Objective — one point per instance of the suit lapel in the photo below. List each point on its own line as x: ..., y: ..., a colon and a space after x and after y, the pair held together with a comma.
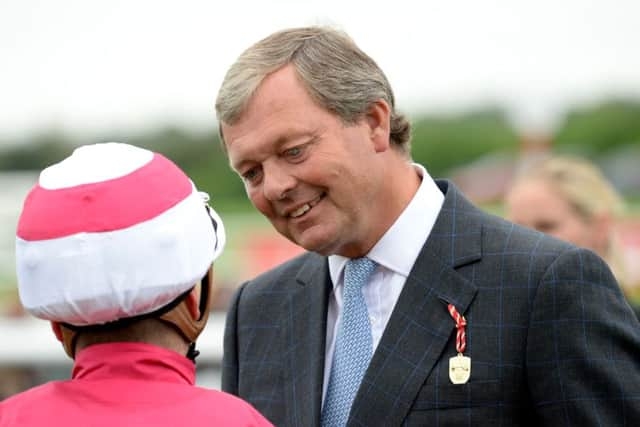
x: 305, y: 338
x: 420, y: 326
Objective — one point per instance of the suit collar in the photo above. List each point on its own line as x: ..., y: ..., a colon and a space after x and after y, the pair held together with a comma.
x: 456, y: 238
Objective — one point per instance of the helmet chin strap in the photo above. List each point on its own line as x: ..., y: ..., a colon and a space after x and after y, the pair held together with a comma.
x: 180, y: 317
x: 177, y: 315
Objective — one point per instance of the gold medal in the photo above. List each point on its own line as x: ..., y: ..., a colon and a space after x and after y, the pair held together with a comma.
x: 459, y: 369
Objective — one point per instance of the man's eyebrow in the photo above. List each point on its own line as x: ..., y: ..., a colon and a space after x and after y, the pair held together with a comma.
x: 302, y: 136
x: 239, y: 165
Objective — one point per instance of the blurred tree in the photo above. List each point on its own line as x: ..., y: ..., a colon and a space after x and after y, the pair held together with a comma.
x: 38, y: 152
x: 594, y: 130
x: 443, y: 143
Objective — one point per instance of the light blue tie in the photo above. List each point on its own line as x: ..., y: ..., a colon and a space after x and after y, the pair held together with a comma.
x: 353, y: 345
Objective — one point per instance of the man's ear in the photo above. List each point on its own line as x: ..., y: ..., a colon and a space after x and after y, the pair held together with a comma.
x: 379, y: 120
x: 193, y: 302
x: 55, y: 327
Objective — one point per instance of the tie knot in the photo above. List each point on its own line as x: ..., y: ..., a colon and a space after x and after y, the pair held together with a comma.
x: 357, y: 272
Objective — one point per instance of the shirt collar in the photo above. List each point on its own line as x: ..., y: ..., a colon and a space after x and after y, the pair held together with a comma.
x: 133, y: 360
x: 400, y: 246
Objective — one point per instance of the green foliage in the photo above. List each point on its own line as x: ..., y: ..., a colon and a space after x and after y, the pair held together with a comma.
x: 603, y: 127
x: 442, y: 143
x: 39, y: 152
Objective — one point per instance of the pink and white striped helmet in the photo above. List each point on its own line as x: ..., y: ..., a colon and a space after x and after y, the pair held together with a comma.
x: 113, y: 231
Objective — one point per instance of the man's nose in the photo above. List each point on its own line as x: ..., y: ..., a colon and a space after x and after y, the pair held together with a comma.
x: 277, y: 182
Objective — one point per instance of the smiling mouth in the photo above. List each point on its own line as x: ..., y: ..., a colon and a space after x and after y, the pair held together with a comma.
x: 306, y: 207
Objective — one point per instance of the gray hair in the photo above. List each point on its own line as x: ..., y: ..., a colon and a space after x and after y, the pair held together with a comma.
x: 337, y: 75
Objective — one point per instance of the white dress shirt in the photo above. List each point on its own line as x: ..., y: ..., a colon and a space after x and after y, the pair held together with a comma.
x: 395, y: 253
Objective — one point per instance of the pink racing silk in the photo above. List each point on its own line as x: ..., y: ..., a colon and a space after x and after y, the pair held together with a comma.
x: 99, y: 207
x: 127, y: 384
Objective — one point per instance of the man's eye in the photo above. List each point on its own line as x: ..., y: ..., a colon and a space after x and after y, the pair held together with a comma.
x: 293, y: 152
x: 250, y: 175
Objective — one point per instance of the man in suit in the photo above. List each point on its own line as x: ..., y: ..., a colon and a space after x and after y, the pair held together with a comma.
x: 411, y: 306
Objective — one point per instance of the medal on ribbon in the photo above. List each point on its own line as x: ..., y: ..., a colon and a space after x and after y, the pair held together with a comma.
x: 460, y: 365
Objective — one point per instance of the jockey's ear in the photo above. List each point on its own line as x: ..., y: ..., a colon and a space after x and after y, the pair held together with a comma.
x: 193, y: 302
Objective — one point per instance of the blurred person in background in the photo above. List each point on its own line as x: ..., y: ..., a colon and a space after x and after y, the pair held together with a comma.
x: 411, y: 306
x: 569, y: 198
x: 115, y: 248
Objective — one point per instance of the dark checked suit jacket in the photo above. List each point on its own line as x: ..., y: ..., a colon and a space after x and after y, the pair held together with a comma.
x: 551, y: 339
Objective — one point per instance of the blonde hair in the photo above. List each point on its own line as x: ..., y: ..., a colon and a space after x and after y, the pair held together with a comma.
x: 587, y: 191
x: 337, y: 75
x: 580, y: 182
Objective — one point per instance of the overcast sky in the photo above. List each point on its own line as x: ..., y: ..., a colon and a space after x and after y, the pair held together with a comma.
x: 86, y: 65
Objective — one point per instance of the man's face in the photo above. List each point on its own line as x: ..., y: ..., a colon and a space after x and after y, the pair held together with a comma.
x: 318, y: 181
